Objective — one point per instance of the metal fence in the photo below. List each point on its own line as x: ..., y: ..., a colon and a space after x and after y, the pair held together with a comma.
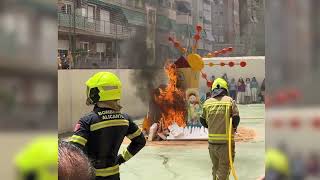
x: 93, y: 25
x: 93, y: 62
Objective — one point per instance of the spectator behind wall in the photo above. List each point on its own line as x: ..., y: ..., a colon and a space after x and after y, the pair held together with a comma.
x: 297, y: 167
x: 247, y: 95
x: 262, y: 90
x: 313, y: 165
x: 254, y: 90
x: 241, y: 90
x: 213, y: 78
x: 233, y: 89
x: 225, y: 77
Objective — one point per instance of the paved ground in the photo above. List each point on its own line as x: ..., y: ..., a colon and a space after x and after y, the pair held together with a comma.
x: 181, y: 161
x: 168, y: 160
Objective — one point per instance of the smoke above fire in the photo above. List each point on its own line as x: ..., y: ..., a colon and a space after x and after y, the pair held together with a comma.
x: 133, y: 55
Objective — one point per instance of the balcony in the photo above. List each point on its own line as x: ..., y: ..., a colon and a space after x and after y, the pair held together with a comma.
x: 129, y: 4
x: 184, y: 19
x: 94, y: 62
x: 183, y: 7
x: 207, y: 15
x: 207, y: 7
x: 164, y: 23
x: 170, y: 13
x: 91, y: 26
x: 188, y: 1
x: 207, y: 27
x: 208, y: 2
x: 208, y: 46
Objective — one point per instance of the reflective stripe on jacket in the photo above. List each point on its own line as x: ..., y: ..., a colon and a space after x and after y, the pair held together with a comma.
x: 101, y: 133
x: 217, y: 113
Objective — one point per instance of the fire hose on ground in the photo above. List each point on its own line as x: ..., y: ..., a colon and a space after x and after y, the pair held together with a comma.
x: 230, y: 152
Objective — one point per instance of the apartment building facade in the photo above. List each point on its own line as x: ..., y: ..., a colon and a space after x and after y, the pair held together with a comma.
x: 28, y: 80
x: 220, y: 21
x: 98, y: 31
x: 252, y: 26
x: 109, y: 33
x: 90, y: 30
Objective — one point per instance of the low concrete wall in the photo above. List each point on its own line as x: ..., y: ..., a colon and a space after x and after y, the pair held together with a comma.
x: 255, y: 68
x: 72, y: 96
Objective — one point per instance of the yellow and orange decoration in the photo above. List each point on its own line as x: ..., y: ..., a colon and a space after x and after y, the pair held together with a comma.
x: 195, y: 60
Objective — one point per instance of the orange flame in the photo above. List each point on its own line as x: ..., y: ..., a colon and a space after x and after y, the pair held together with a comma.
x: 171, y: 101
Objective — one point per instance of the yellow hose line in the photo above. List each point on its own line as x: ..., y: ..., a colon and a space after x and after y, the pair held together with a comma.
x: 230, y: 152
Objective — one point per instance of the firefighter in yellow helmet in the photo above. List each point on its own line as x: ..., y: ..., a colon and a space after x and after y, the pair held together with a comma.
x: 38, y: 160
x: 101, y: 132
x: 277, y: 164
x: 216, y: 115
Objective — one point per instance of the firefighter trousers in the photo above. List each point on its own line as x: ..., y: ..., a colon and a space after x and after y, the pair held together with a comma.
x: 113, y: 177
x: 219, y: 154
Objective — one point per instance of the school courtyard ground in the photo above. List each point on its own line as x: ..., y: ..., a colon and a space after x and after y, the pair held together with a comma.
x: 168, y: 160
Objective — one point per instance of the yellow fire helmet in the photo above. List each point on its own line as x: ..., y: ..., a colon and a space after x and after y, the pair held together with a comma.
x: 277, y: 160
x: 103, y: 86
x: 39, y: 159
x: 220, y: 83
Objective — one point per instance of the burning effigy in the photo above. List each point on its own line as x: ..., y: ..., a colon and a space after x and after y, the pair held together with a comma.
x: 175, y: 108
x: 171, y: 101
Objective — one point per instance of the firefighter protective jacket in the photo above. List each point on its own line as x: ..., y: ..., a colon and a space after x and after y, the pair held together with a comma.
x: 100, y: 134
x: 216, y: 115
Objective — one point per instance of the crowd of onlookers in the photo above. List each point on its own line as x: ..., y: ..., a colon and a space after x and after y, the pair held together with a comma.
x: 246, y: 91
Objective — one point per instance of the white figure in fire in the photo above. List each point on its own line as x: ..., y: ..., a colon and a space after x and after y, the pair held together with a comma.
x: 194, y: 110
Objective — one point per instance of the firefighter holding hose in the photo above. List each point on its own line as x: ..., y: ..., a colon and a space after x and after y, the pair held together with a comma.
x: 101, y: 132
x: 221, y: 117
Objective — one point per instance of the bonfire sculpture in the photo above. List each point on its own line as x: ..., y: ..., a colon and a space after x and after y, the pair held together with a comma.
x: 171, y: 101
x: 175, y: 108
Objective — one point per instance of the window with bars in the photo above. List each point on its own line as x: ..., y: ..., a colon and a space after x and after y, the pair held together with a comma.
x: 135, y: 3
x: 84, y: 46
x: 66, y: 9
x: 165, y: 3
x: 139, y: 3
x: 91, y: 13
x: 221, y: 38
